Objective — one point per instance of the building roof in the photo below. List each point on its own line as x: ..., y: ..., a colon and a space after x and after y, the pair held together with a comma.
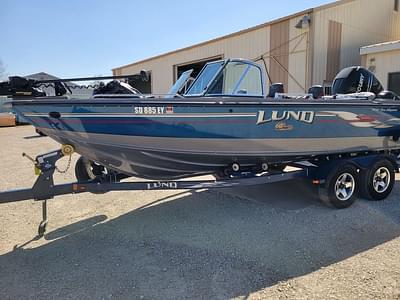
x: 381, y: 47
x: 75, y: 88
x: 41, y: 76
x: 46, y: 76
x: 307, y: 11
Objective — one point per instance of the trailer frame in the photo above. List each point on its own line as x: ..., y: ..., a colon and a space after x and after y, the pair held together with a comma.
x: 44, y: 188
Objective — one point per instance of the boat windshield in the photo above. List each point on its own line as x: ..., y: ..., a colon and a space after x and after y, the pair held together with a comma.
x: 180, y: 83
x: 229, y: 78
x: 204, y: 79
x: 238, y: 78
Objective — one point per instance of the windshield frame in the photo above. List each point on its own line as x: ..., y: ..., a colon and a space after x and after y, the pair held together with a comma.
x: 224, y: 63
x: 206, y: 88
x: 180, y: 83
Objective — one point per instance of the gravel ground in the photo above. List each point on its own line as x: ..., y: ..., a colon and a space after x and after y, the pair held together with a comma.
x: 275, y: 241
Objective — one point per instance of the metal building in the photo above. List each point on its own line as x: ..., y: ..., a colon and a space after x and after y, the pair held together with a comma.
x: 384, y: 60
x: 299, y: 50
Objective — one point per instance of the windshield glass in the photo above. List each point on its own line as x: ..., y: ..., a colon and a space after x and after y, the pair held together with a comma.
x: 180, y: 83
x: 238, y: 78
x: 204, y: 78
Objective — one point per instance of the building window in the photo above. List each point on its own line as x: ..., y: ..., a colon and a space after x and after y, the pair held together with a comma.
x: 396, y: 5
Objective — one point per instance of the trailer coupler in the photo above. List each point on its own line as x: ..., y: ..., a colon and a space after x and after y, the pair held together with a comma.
x: 43, y: 188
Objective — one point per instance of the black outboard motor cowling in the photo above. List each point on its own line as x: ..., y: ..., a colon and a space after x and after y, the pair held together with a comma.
x: 356, y: 80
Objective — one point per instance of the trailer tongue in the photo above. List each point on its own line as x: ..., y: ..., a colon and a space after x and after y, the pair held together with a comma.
x: 45, y: 189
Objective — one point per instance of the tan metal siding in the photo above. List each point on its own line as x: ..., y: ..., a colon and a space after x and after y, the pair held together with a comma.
x: 247, y: 45
x: 364, y: 22
x: 334, y: 47
x: 384, y: 63
x: 279, y: 61
x: 364, y: 60
x: 298, y: 57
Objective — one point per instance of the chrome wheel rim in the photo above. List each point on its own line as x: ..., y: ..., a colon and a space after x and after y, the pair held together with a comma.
x: 381, y: 180
x: 345, y: 186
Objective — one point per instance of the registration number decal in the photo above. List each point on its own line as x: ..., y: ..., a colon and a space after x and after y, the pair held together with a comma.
x: 153, y: 110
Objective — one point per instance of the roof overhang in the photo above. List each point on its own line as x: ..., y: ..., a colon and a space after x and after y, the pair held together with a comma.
x: 382, y: 47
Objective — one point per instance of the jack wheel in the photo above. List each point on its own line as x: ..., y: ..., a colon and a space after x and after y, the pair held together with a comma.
x: 86, y: 170
x: 42, y: 228
x: 378, y: 180
x: 340, y: 189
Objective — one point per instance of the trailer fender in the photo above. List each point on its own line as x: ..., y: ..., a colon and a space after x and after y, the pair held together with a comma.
x: 367, y: 161
x: 324, y: 169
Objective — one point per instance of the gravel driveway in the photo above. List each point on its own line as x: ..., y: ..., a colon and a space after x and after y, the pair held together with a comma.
x: 274, y: 241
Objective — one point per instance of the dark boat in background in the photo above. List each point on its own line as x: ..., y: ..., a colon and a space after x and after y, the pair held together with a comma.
x: 223, y: 123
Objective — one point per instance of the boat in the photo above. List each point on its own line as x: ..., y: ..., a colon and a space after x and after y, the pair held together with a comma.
x: 225, y: 122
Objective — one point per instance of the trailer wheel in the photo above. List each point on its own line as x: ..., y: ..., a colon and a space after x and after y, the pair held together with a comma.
x: 378, y: 180
x: 341, y: 186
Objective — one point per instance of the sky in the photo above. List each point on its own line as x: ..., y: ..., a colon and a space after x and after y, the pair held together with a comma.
x: 86, y: 38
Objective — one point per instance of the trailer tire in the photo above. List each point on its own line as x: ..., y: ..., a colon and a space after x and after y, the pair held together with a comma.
x: 340, y: 189
x: 377, y: 181
x: 81, y: 172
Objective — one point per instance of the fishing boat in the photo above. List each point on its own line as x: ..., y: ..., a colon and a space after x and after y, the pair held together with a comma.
x: 224, y: 122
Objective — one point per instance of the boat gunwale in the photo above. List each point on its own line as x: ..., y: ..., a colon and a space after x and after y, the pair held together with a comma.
x: 217, y: 101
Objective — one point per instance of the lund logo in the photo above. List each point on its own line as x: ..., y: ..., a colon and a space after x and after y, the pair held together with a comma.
x: 301, y: 116
x: 162, y: 185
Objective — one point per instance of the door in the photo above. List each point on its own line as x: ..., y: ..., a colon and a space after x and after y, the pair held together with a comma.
x: 394, y: 82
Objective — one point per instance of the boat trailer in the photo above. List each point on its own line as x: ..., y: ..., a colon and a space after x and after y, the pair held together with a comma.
x: 44, y: 188
x: 320, y: 173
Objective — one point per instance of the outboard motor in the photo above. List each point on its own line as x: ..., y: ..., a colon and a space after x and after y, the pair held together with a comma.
x: 275, y: 88
x: 317, y: 91
x: 356, y: 80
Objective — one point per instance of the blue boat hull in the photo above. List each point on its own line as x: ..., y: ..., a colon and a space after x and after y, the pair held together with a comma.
x: 178, y: 138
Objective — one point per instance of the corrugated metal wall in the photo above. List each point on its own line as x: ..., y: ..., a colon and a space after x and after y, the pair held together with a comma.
x: 334, y: 49
x: 298, y: 57
x: 383, y: 63
x: 310, y: 56
x: 248, y: 45
x: 364, y: 22
x: 279, y: 53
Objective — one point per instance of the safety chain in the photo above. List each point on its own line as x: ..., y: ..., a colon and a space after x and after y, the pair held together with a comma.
x: 68, y: 166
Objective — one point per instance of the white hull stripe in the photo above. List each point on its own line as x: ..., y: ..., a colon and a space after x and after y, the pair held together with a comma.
x: 94, y: 115
x: 111, y: 115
